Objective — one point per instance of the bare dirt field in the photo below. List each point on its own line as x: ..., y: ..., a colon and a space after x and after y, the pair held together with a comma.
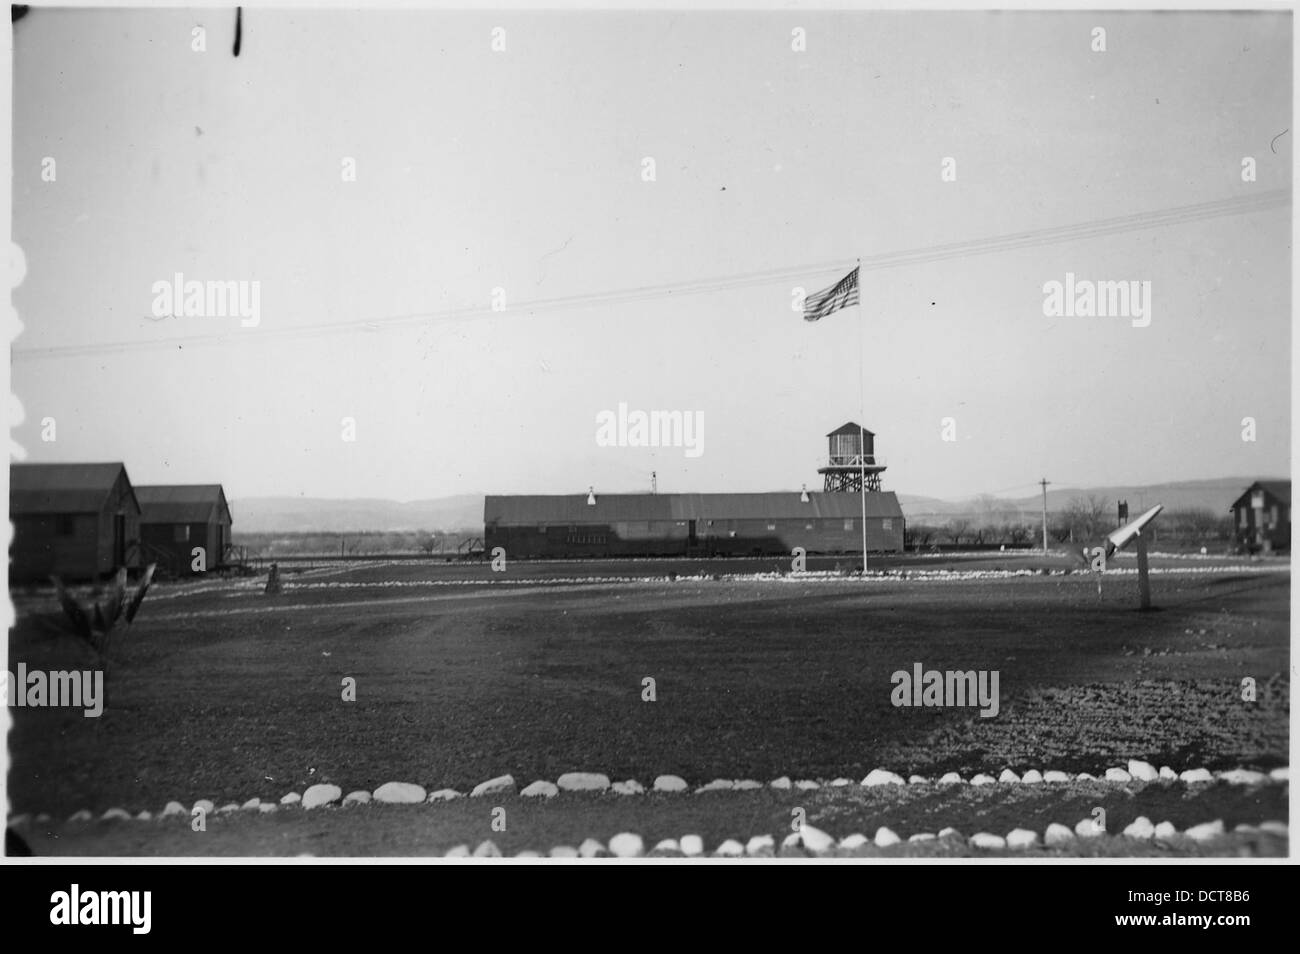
x: 224, y: 693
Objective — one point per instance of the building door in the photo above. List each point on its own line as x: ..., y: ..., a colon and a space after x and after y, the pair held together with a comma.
x: 119, y: 540
x: 690, y: 532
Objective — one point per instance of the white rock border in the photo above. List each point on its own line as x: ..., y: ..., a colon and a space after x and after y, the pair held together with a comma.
x: 326, y: 795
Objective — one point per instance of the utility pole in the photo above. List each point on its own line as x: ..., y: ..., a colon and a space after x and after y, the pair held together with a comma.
x: 1044, y: 482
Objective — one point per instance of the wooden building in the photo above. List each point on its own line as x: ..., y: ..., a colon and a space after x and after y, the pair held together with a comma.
x: 175, y: 519
x: 587, y: 525
x: 76, y: 521
x: 592, y: 525
x: 1262, y: 516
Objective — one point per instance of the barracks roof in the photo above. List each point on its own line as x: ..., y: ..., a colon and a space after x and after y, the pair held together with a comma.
x: 61, y: 488
x: 181, y: 503
x: 1279, y: 490
x: 573, y: 508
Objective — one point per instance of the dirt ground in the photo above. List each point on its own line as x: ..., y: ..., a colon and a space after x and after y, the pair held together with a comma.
x: 222, y: 692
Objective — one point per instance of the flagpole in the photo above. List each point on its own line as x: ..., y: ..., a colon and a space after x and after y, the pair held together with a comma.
x: 862, y: 436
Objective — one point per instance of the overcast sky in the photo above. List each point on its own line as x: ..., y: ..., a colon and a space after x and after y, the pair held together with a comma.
x: 522, y: 170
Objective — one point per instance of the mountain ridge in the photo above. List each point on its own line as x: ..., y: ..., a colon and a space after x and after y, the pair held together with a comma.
x: 288, y: 514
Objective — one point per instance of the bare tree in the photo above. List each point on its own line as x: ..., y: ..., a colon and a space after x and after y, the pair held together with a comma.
x: 958, y: 528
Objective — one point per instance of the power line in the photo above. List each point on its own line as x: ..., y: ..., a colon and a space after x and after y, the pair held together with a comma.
x: 1239, y: 205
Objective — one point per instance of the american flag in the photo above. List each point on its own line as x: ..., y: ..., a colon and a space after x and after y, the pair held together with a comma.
x: 840, y: 295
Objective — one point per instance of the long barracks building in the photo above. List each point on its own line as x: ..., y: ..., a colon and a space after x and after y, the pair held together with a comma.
x: 594, y: 525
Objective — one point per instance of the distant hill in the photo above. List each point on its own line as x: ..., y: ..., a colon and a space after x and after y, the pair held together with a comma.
x: 465, y: 512
x: 308, y: 514
x: 1215, y: 494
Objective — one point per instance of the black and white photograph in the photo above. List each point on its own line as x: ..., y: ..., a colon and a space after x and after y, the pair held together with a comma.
x: 753, y: 434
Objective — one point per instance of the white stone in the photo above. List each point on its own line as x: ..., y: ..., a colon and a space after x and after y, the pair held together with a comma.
x: 444, y: 795
x: 782, y: 782
x: 986, y: 840
x: 854, y: 842
x: 460, y: 851
x: 1196, y: 776
x: 1085, y: 777
x: 293, y: 798
x: 717, y: 785
x: 145, y: 815
x: 791, y: 840
x: 1274, y: 827
x: 173, y: 808
x: 1032, y: 777
x: 319, y: 795
x: 267, y: 807
x: 1240, y: 776
x: 1205, y: 831
x: 730, y: 849
x: 356, y: 798
x: 563, y: 851
x: 116, y: 814
x: 18, y: 821
x: 1057, y: 834
x: 583, y: 782
x: 400, y: 793
x: 882, y: 777
x: 760, y: 846
x: 1142, y: 771
x: 1022, y: 838
x: 44, y: 819
x: 1008, y: 776
x: 917, y: 780
x: 1118, y: 775
x: 501, y: 785
x: 629, y: 787
x: 1281, y: 774
x: 590, y: 848
x: 1244, y: 829
x: 228, y: 808
x: 983, y: 779
x: 81, y: 816
x: 1141, y: 828
x: 626, y: 845
x: 841, y: 782
x: 1055, y: 777
x: 806, y: 785
x: 1165, y: 831
x: 1088, y: 828
x: 949, y: 833
x: 670, y: 783
x: 251, y: 804
x: 885, y: 837
x: 815, y: 840
x: 950, y: 778
x: 487, y: 849
x: 668, y: 844
x: 746, y: 785
x: 203, y: 805
x: 540, y: 789
x: 691, y: 845
x: 1168, y: 774
x: 922, y: 836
